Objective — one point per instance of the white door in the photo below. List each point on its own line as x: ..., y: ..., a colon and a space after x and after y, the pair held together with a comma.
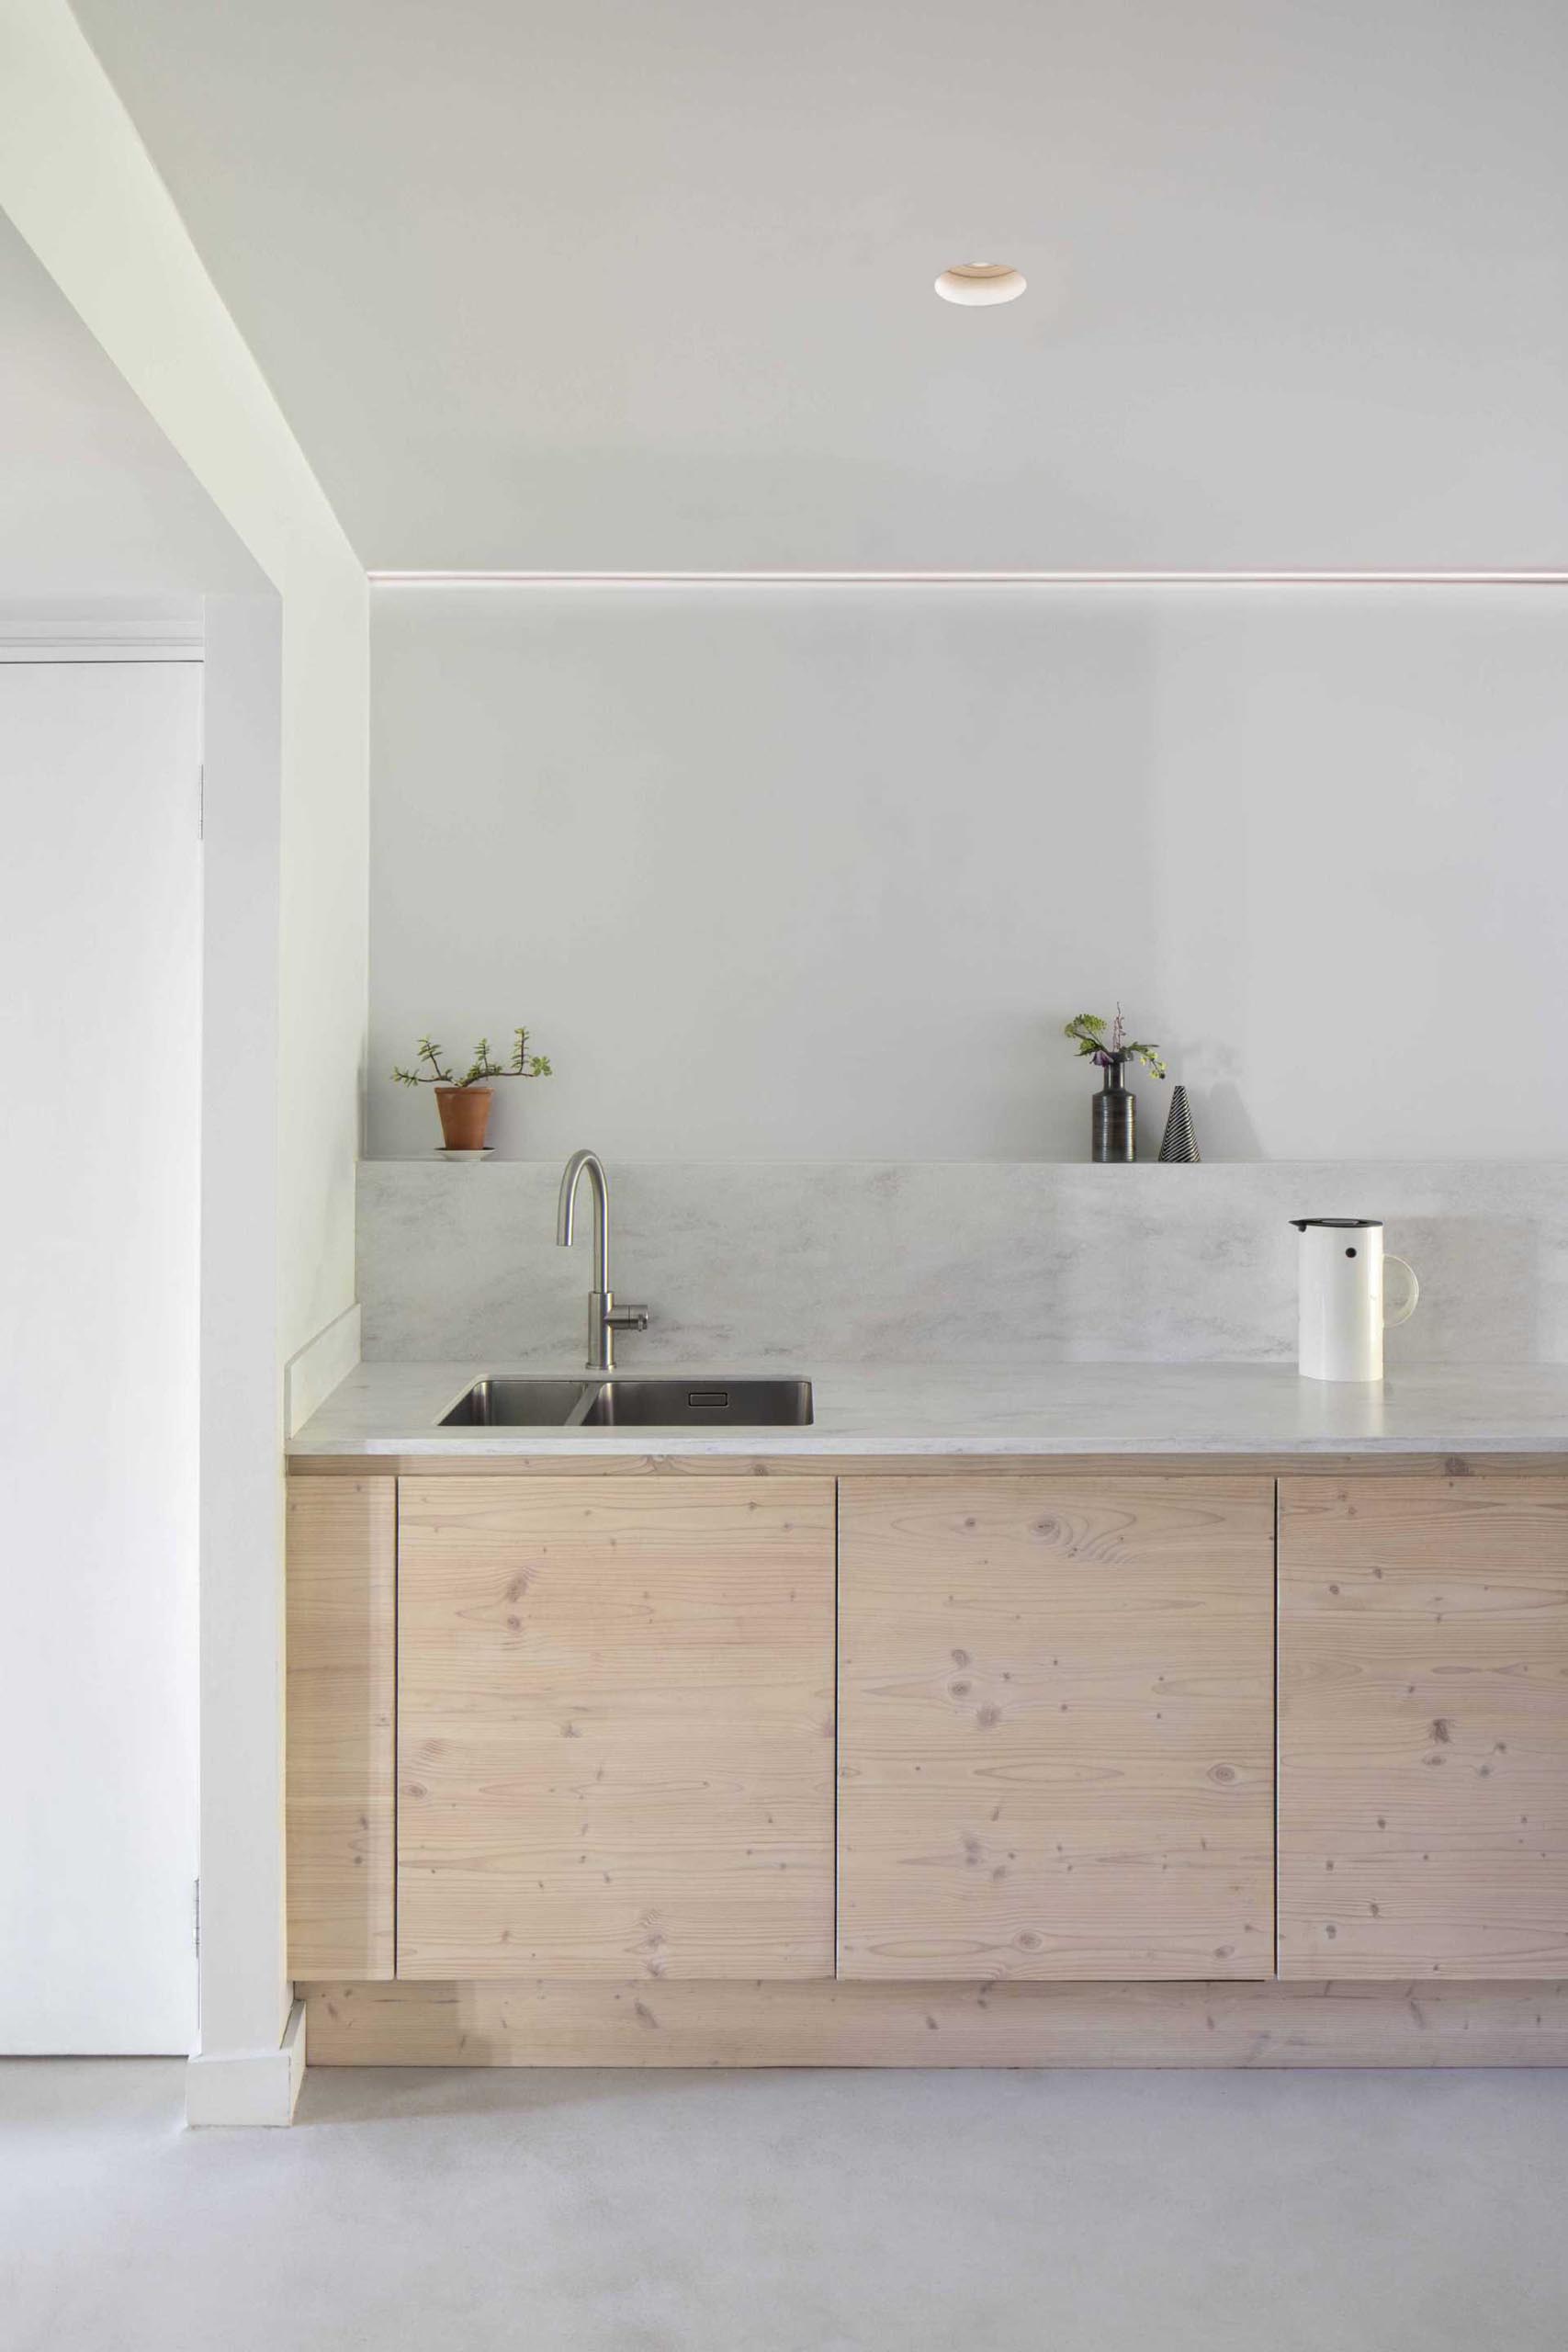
x: 100, y: 938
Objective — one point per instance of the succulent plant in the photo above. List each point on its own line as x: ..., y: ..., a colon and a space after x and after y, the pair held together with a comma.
x: 523, y: 1064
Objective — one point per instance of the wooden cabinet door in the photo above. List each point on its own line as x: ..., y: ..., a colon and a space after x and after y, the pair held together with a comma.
x: 614, y: 1726
x: 1424, y: 1728
x: 1056, y: 1727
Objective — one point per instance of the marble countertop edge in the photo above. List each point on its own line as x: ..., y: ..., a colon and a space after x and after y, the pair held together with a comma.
x: 932, y: 1410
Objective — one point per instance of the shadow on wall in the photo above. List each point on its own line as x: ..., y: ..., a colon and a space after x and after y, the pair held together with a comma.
x: 1210, y: 1069
x: 1224, y: 1125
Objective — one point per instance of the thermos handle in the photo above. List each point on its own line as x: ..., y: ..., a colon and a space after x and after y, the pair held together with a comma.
x: 1401, y: 1314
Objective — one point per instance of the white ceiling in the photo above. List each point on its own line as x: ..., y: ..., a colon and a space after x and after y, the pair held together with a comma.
x: 646, y: 284
x: 93, y: 502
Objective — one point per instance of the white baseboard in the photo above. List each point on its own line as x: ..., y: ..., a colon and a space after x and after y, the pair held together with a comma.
x: 248, y: 2086
x: 310, y: 1377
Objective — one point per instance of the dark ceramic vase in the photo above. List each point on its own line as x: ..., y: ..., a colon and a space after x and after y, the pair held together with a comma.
x: 1115, y: 1120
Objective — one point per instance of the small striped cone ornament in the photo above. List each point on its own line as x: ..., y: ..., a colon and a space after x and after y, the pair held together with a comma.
x: 1180, y: 1141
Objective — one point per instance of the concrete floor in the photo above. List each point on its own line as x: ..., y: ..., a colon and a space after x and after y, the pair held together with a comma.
x: 788, y: 2212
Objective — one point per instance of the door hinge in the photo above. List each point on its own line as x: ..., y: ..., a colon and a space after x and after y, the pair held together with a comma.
x: 195, y: 1915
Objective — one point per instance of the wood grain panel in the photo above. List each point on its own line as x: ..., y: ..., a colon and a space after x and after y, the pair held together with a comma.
x: 1225, y: 2025
x: 1424, y: 1728
x: 1056, y: 1728
x: 341, y: 1654
x: 616, y: 1729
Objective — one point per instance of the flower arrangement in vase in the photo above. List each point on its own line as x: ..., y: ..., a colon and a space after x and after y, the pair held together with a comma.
x: 1114, y: 1135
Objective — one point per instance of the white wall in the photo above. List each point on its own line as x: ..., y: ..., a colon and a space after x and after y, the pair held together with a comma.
x: 95, y: 503
x: 821, y: 873
x: 288, y: 803
x: 100, y: 973
x: 78, y: 186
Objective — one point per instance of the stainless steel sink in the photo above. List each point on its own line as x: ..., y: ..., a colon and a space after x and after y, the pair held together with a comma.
x: 632, y: 1403
x: 518, y: 1403
x: 620, y: 1403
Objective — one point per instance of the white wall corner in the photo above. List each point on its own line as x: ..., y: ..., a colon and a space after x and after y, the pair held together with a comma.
x: 248, y: 2086
x: 310, y: 1377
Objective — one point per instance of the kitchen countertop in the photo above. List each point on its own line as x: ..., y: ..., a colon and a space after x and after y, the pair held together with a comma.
x: 1075, y: 1408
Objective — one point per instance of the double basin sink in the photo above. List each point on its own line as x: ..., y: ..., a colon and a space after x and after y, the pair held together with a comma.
x: 614, y: 1401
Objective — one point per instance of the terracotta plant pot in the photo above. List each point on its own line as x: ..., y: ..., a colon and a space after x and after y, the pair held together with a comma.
x: 464, y: 1115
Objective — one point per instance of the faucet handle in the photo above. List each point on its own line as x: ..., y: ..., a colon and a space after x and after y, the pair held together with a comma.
x: 627, y: 1319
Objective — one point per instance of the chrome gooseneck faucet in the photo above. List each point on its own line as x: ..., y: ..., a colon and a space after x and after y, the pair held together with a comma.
x: 605, y: 1317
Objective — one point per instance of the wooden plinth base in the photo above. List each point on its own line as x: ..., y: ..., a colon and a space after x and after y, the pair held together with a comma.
x: 691, y: 2024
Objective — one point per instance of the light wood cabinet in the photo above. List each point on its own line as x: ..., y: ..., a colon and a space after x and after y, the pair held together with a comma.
x: 1424, y: 1728
x: 615, y: 1727
x: 557, y: 1736
x: 1056, y: 1727
x: 341, y: 1657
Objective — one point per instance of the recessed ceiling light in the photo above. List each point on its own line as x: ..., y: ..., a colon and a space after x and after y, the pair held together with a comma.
x: 981, y: 281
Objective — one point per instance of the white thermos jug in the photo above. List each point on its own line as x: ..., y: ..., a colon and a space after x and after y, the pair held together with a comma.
x: 1342, y: 1309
